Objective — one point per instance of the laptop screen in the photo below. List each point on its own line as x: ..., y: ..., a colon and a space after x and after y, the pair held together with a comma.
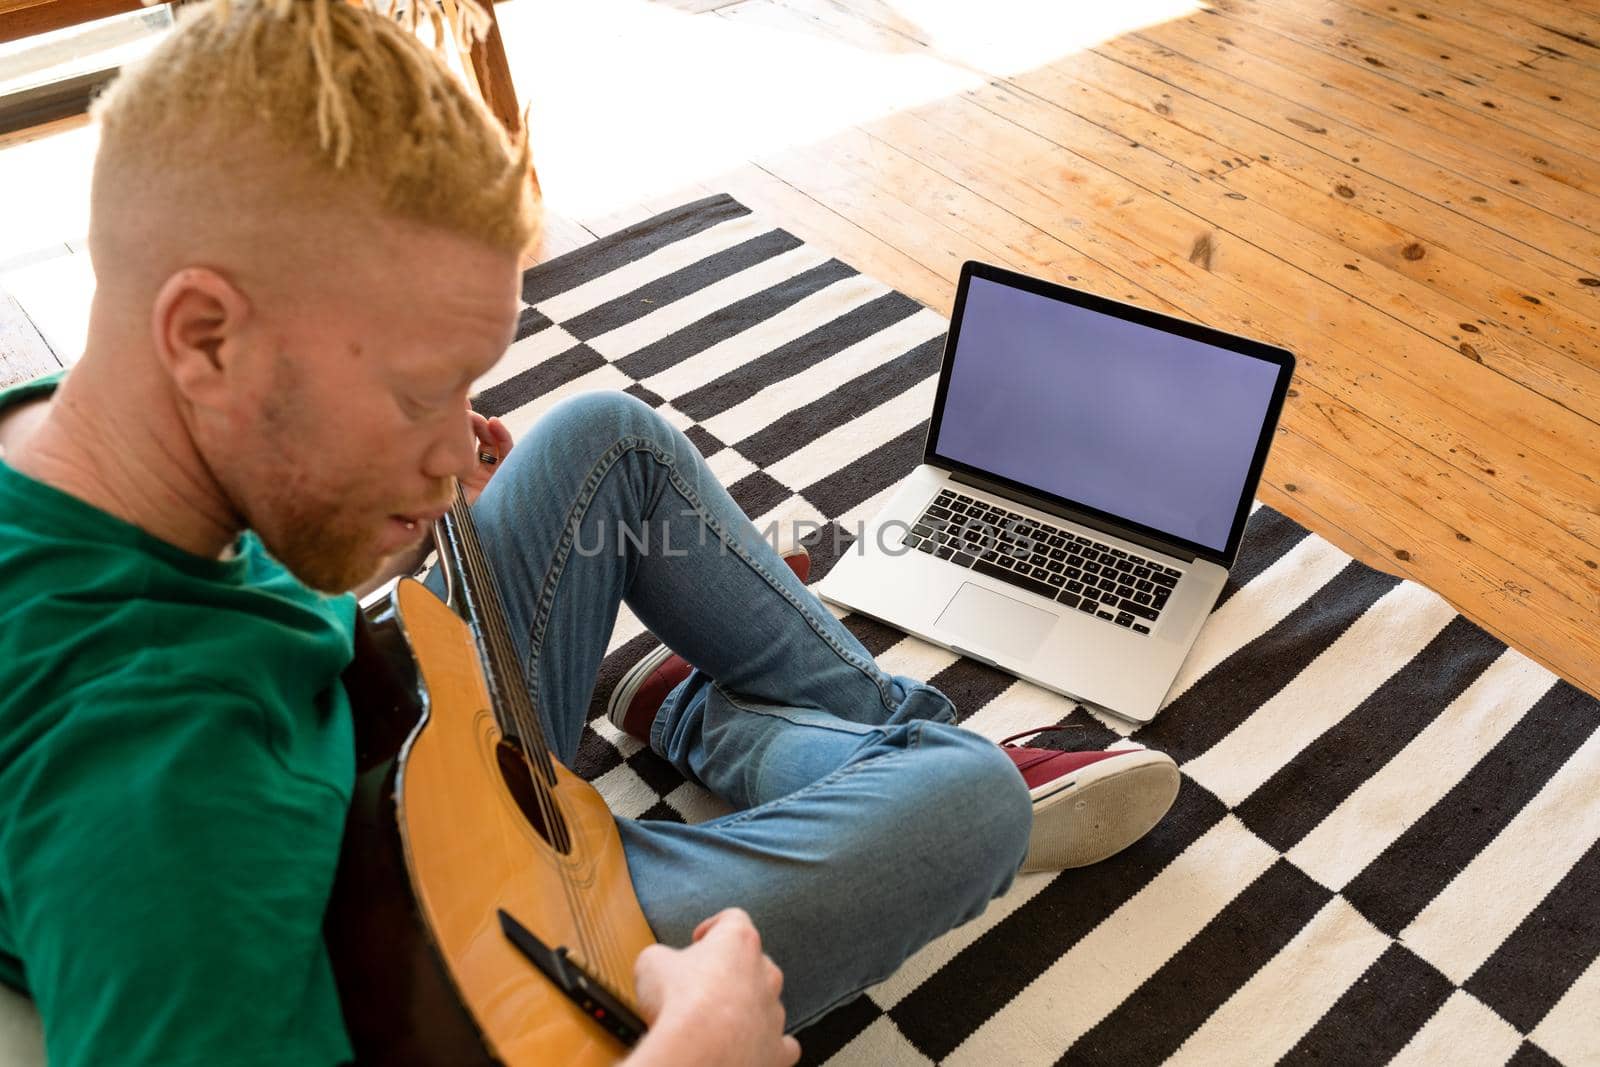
x: 1142, y: 424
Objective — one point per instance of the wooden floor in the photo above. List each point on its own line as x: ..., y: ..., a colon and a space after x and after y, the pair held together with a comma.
x: 1405, y: 194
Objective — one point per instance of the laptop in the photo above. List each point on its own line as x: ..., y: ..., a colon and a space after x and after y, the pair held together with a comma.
x: 1084, y: 486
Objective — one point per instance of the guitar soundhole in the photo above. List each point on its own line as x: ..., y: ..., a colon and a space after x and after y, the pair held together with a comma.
x: 518, y: 777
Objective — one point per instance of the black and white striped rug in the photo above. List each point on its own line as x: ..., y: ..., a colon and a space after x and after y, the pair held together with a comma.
x: 1386, y: 842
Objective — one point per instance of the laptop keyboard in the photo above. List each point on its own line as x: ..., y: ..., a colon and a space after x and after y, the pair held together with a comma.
x: 1079, y: 572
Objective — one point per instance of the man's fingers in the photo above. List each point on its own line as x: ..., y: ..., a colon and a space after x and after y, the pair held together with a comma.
x: 493, y: 439
x: 734, y: 914
x: 706, y: 924
x: 500, y: 436
x: 652, y: 956
x: 774, y: 976
x: 481, y: 431
x: 791, y: 1049
x: 651, y: 979
x: 652, y: 962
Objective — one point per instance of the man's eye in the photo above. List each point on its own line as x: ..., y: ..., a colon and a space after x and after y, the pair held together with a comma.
x: 424, y: 405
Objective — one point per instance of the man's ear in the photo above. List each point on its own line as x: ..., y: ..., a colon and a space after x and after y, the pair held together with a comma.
x: 197, y: 323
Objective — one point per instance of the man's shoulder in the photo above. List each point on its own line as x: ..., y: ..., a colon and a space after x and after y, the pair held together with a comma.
x: 81, y: 662
x: 79, y: 618
x: 79, y: 612
x: 149, y: 710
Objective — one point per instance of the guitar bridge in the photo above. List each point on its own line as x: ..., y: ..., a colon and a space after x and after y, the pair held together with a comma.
x: 582, y: 988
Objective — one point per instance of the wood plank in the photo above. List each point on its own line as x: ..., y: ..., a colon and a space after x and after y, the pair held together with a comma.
x: 1327, y: 498
x: 1546, y: 176
x: 1099, y: 165
x: 24, y: 18
x: 1423, y: 284
x: 1443, y: 47
x: 1426, y: 496
x: 890, y: 169
x: 1415, y: 474
x: 1432, y: 487
x: 1215, y: 304
x: 1551, y: 29
x: 23, y: 353
x: 1576, y: 25
x: 1330, y: 156
x: 492, y: 75
x: 1512, y: 39
x: 47, y: 129
x: 558, y: 235
x: 862, y: 248
x: 883, y: 211
x: 1406, y: 63
x: 948, y: 207
x: 1253, y: 289
x: 991, y: 143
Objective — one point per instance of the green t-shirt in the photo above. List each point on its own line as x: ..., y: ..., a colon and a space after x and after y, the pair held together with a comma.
x: 176, y: 760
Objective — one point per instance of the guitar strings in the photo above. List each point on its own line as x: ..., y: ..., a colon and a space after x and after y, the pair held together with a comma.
x: 597, y: 940
x: 530, y: 735
x: 560, y: 827
x: 470, y: 558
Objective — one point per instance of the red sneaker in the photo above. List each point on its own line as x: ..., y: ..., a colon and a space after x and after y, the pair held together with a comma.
x: 1088, y: 806
x: 641, y: 692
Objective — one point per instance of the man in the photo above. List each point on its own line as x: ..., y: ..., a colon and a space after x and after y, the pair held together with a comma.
x: 306, y: 241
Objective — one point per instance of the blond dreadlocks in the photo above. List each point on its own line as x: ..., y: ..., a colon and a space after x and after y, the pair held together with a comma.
x: 279, y: 108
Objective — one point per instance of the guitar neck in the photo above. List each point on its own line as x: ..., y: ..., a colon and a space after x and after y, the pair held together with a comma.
x: 475, y: 596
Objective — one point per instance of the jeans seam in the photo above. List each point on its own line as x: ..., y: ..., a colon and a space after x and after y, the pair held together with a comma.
x: 914, y: 741
x: 754, y: 708
x: 563, y: 549
x: 569, y: 531
x: 868, y: 670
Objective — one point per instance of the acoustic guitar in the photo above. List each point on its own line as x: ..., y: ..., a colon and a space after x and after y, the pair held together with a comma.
x: 482, y: 910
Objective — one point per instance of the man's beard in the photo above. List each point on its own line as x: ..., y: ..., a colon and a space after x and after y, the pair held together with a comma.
x: 316, y: 533
x: 325, y: 550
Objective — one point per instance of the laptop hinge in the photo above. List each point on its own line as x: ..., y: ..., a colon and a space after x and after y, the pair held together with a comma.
x: 1033, y: 501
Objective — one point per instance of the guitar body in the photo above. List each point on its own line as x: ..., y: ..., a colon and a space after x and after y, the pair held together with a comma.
x: 445, y: 831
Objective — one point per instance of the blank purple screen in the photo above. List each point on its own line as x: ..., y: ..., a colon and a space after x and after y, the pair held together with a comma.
x: 1125, y: 418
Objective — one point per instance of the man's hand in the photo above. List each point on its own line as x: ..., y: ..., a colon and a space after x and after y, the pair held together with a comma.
x: 714, y: 1003
x: 493, y: 440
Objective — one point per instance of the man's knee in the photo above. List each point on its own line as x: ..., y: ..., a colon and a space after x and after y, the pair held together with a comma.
x: 979, y: 799
x: 605, y: 415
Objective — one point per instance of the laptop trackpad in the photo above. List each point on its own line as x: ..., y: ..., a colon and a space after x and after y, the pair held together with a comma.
x: 983, y: 618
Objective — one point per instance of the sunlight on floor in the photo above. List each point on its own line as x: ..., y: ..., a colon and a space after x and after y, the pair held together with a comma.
x: 47, y: 192
x: 44, y: 218
x: 631, y: 98
x: 1012, y: 36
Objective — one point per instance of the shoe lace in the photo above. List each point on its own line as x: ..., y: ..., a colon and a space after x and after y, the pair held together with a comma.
x: 1040, y: 730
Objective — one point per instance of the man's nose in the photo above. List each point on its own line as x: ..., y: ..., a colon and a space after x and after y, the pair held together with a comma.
x: 451, y: 455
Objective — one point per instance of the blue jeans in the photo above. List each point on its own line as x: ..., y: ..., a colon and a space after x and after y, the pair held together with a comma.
x: 866, y: 822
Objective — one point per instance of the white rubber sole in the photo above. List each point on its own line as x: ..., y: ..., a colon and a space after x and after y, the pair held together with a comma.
x: 629, y: 684
x: 1099, y: 811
